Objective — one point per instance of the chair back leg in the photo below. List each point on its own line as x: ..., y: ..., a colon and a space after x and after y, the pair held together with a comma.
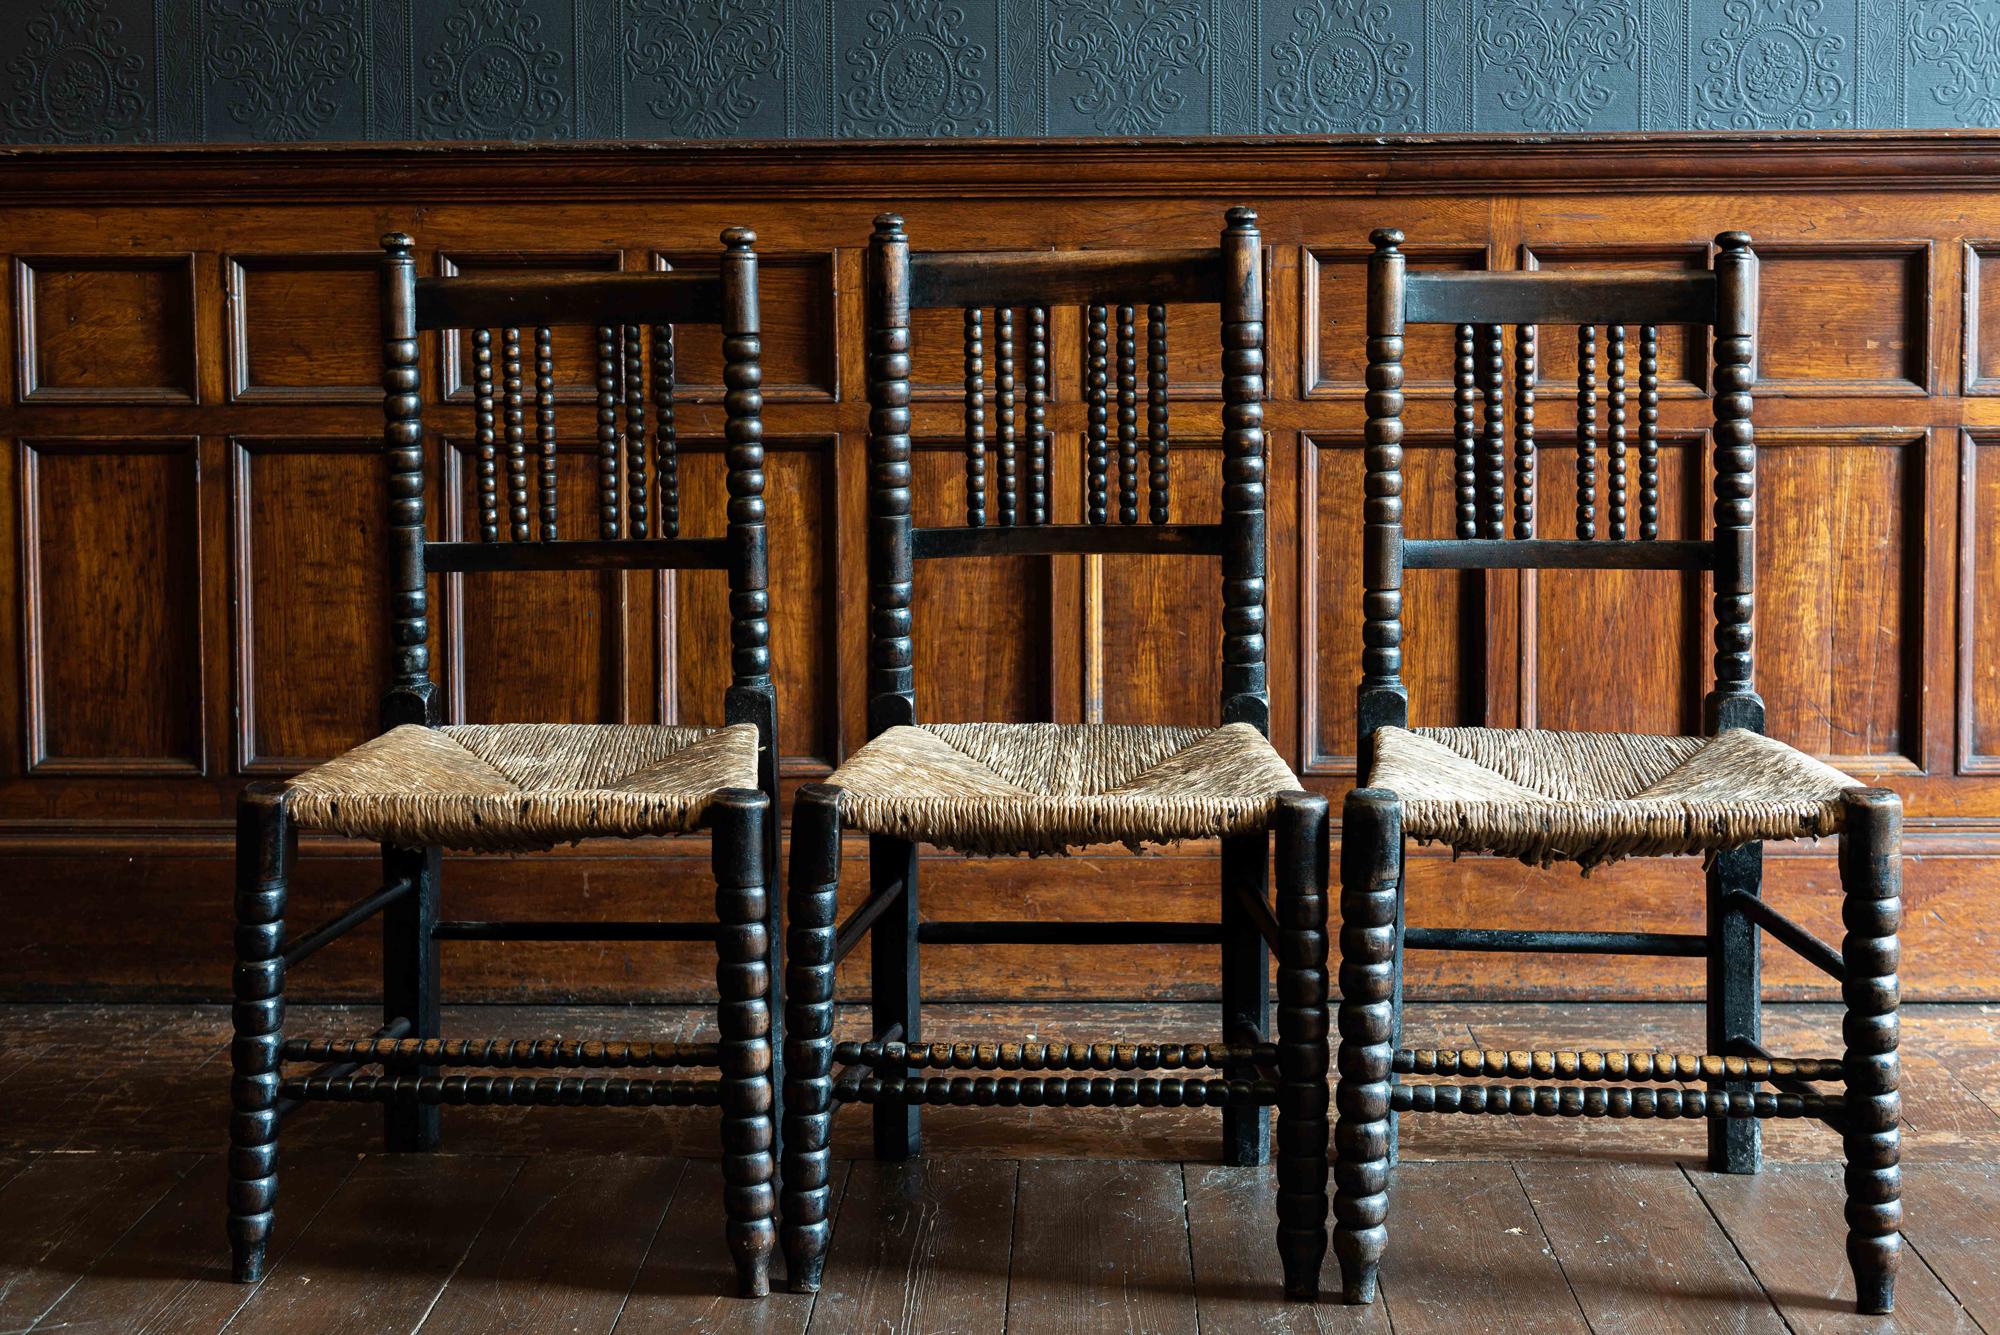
x: 896, y: 989
x: 1246, y: 998
x: 410, y: 988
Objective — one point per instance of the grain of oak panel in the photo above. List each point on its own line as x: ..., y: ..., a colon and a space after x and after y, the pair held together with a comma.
x: 311, y: 640
x: 1153, y: 624
x: 801, y: 338
x: 1445, y: 626
x: 1981, y: 312
x: 111, y: 592
x: 303, y: 328
x: 105, y: 329
x: 1840, y: 318
x: 1333, y: 318
x: 1979, y: 604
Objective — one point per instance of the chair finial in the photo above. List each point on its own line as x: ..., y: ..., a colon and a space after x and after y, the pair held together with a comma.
x: 1386, y: 238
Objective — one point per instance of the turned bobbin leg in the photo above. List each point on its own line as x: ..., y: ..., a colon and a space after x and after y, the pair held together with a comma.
x: 737, y: 822
x: 1303, y: 1025
x: 265, y: 843
x: 1246, y: 997
x: 1371, y: 841
x: 1871, y: 879
x: 810, y: 933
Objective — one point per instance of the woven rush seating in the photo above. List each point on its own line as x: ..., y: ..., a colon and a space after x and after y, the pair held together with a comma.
x: 523, y: 786
x: 1045, y: 788
x: 1593, y: 797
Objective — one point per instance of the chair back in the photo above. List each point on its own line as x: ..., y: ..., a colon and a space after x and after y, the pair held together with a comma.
x: 631, y: 318
x: 1496, y: 525
x: 1008, y: 509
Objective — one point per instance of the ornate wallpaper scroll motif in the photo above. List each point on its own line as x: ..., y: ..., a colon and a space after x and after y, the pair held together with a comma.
x: 1136, y: 59
x: 1960, y: 40
x: 1560, y: 64
x: 701, y: 58
x: 284, y: 61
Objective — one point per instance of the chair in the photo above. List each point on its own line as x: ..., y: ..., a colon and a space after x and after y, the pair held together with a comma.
x: 1041, y: 788
x: 1590, y: 798
x: 424, y: 785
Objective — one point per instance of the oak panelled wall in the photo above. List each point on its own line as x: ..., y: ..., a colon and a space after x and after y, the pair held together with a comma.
x: 192, y: 591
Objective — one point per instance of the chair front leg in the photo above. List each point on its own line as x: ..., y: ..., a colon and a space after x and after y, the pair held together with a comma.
x: 810, y: 933
x: 737, y: 822
x: 1871, y: 879
x: 265, y: 843
x: 1246, y: 997
x: 1371, y: 845
x: 1303, y: 1028
x: 410, y: 987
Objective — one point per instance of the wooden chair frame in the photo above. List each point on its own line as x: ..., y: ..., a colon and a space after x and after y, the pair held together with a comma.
x: 1373, y: 933
x: 635, y: 533
x: 1290, y: 1072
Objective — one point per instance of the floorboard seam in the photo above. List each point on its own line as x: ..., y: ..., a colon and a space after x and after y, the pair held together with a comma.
x: 1736, y: 1247
x: 666, y: 1208
x: 1554, y: 1254
x: 470, y: 1243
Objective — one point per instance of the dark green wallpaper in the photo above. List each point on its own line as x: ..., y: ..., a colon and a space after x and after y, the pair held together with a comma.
x: 180, y: 71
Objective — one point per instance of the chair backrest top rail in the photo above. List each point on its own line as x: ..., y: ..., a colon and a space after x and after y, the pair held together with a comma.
x: 579, y: 554
x: 1605, y: 296
x: 1064, y: 277
x: 494, y: 301
x: 1069, y: 540
x: 1557, y: 553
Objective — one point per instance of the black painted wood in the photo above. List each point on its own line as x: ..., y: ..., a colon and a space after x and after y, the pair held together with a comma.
x: 744, y: 840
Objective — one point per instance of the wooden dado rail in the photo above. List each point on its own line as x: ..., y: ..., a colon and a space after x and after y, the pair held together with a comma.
x: 191, y: 419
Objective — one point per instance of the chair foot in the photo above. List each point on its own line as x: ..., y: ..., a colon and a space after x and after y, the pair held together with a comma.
x: 1370, y: 884
x: 1875, y: 1294
x: 753, y: 1280
x: 810, y: 932
x: 265, y: 841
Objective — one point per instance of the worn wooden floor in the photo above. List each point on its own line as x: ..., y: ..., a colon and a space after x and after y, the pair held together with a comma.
x: 111, y: 1191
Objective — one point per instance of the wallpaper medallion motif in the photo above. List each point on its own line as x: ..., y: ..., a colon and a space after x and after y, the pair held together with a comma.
x: 1775, y: 64
x: 75, y: 79
x: 917, y: 72
x: 1341, y: 69
x: 495, y: 75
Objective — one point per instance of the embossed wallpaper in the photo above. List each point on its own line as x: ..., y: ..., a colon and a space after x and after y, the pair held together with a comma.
x: 181, y: 71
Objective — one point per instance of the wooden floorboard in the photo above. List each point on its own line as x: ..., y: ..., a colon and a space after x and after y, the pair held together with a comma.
x: 380, y: 1253
x: 1641, y: 1252
x: 1787, y: 1224
x: 111, y: 1182
x: 920, y: 1247
x: 1100, y: 1247
x: 61, y: 1212
x: 1466, y: 1253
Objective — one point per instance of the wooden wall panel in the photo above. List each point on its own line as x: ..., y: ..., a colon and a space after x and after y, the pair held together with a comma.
x: 302, y: 328
x: 111, y: 588
x: 193, y: 594
x: 105, y: 328
x: 1839, y: 573
x: 307, y: 598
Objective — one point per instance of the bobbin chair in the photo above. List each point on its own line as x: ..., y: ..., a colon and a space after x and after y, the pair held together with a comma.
x: 1042, y: 788
x: 424, y: 785
x: 1590, y: 798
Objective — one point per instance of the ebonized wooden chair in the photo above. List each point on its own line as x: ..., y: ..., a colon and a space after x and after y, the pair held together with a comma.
x: 1047, y: 788
x: 1590, y: 798
x: 422, y: 785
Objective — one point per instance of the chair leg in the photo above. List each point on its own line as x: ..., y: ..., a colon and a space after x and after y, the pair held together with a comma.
x: 1246, y: 994
x: 1396, y: 1008
x: 1303, y: 1026
x: 1871, y: 879
x: 1371, y: 842
x: 265, y: 842
x: 736, y: 825
x: 811, y: 928
x: 895, y: 989
x: 410, y: 987
x: 1735, y: 1144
